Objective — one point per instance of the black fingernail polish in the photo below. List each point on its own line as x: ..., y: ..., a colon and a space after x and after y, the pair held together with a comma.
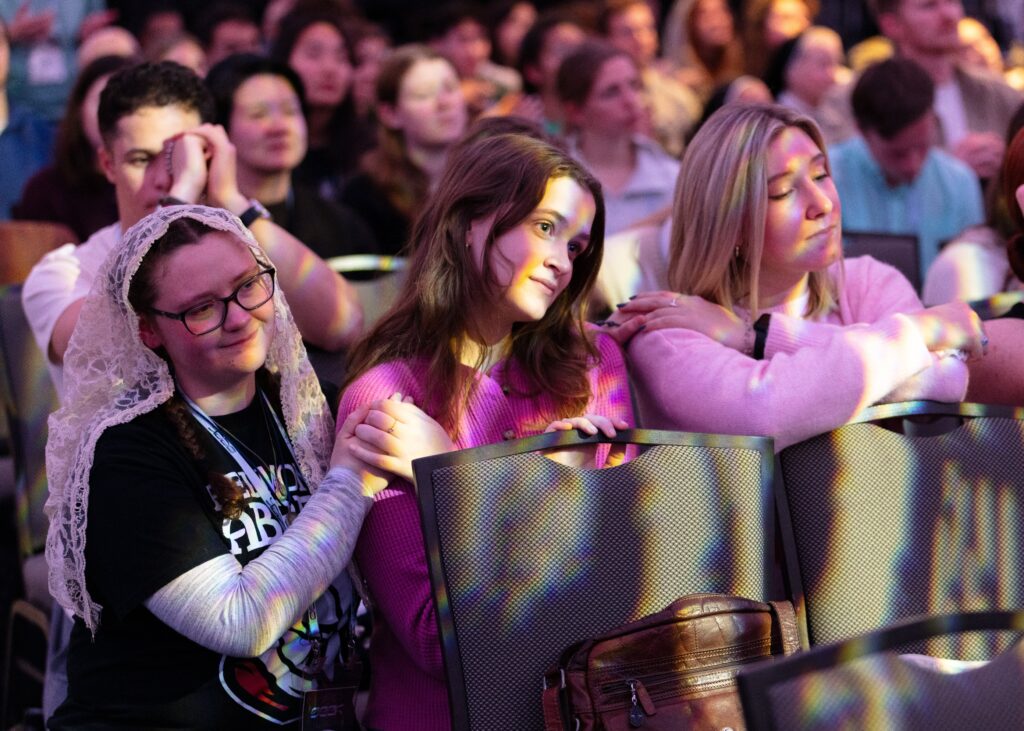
x: 609, y: 323
x: 633, y: 297
x: 621, y: 305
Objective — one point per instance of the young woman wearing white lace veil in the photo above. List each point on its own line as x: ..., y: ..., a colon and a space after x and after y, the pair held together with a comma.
x: 193, y: 434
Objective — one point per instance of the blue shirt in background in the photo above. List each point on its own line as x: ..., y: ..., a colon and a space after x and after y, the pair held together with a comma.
x: 943, y: 200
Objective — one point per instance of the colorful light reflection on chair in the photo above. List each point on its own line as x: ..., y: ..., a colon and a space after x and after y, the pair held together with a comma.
x: 882, y: 525
x: 528, y: 555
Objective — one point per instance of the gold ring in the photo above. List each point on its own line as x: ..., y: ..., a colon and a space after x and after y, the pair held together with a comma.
x: 394, y: 423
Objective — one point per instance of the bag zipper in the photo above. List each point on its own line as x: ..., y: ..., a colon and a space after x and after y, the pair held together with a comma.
x: 641, y: 704
x: 660, y: 686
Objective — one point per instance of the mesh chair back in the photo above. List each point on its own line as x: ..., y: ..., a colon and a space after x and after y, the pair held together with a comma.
x: 898, y: 250
x: 377, y: 280
x: 528, y: 556
x: 882, y: 525
x: 378, y: 293
x: 28, y: 399
x: 862, y: 684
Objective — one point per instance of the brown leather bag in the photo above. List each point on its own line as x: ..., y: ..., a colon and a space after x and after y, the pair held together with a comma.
x: 675, y: 669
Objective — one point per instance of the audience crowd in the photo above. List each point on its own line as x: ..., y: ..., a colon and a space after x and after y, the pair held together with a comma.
x: 597, y: 206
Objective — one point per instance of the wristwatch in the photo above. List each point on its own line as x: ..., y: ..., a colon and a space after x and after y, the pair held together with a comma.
x: 254, y: 211
x: 761, y: 335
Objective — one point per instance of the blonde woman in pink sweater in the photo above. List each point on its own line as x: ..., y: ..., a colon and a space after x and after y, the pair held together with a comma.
x: 769, y: 332
x: 488, y: 341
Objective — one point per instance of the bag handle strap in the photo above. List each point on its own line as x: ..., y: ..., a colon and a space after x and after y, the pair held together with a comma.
x: 554, y: 684
x: 789, y: 631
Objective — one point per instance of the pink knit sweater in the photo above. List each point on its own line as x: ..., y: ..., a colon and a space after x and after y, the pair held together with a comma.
x: 407, y: 689
x: 815, y: 374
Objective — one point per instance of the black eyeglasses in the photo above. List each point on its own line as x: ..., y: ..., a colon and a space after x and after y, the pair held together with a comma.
x: 208, y: 316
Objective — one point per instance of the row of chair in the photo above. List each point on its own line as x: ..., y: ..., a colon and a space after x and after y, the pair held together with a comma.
x: 27, y: 397
x: 913, y: 510
x: 573, y: 553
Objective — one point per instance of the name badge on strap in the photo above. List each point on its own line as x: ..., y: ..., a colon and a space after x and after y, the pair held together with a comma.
x: 334, y: 708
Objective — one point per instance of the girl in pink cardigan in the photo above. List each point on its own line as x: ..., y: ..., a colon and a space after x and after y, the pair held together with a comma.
x: 769, y: 331
x: 488, y: 342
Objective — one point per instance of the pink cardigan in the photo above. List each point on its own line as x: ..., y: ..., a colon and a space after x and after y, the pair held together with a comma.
x: 408, y: 690
x: 815, y: 374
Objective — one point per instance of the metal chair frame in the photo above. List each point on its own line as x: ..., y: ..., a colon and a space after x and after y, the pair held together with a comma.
x: 446, y: 613
x: 916, y: 419
x: 756, y: 682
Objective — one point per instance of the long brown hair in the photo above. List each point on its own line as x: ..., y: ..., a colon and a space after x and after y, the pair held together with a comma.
x: 345, y: 135
x: 1013, y: 177
x: 73, y: 153
x: 503, y: 177
x: 756, y: 51
x: 404, y: 183
x: 723, y: 63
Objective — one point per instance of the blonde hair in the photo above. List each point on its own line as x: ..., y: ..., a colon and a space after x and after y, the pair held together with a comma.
x: 721, y: 203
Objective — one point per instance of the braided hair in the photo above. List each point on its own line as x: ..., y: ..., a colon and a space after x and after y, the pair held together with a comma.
x: 141, y: 293
x: 227, y: 493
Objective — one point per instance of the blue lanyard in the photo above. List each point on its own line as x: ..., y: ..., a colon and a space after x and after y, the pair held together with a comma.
x: 262, y: 484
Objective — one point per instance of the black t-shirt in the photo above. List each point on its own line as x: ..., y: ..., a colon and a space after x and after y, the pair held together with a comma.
x: 328, y: 228
x: 390, y: 226
x: 151, y: 519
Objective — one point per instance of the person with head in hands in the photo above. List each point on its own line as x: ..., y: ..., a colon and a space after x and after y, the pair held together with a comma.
x: 893, y: 177
x: 973, y: 107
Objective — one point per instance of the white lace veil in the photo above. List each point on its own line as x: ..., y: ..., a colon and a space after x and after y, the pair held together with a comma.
x: 110, y: 378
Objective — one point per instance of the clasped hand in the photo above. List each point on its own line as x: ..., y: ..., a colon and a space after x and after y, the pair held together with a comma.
x: 659, y: 310
x: 202, y: 161
x: 583, y: 455
x: 952, y: 326
x: 388, y: 434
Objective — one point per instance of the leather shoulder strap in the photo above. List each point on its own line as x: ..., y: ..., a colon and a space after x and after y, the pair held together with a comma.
x: 789, y: 632
x: 552, y: 701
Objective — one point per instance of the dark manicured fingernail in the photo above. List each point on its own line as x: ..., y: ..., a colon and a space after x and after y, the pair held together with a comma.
x: 600, y: 323
x: 609, y: 323
x: 633, y: 297
x: 621, y: 305
x: 642, y: 327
